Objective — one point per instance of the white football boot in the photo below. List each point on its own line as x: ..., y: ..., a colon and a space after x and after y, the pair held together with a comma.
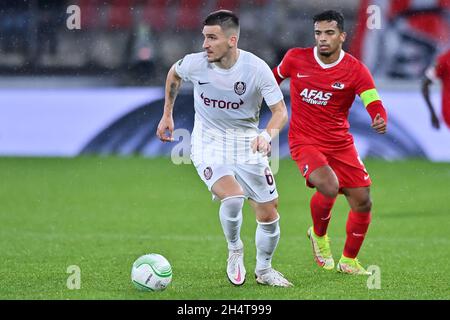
x: 272, y: 278
x: 235, y: 267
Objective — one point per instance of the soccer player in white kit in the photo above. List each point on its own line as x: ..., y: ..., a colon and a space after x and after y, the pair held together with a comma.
x: 227, y: 148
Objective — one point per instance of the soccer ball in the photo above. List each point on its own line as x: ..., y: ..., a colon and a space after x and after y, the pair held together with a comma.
x: 151, y: 272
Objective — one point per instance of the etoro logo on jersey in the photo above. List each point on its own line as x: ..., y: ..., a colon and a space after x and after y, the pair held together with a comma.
x: 316, y: 97
x: 221, y: 104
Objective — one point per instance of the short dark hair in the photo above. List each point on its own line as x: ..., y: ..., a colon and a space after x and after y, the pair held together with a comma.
x: 331, y: 15
x: 226, y: 19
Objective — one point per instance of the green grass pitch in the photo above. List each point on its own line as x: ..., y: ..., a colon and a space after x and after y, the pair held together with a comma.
x: 101, y: 213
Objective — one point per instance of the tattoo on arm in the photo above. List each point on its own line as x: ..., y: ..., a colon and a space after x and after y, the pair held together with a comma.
x: 173, y: 91
x: 172, y: 86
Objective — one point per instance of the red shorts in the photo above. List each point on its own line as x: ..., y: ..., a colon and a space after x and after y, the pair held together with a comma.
x: 346, y: 164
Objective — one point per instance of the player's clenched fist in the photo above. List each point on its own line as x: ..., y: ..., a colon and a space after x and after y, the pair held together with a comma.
x: 261, y: 144
x: 166, y: 124
x: 379, y: 124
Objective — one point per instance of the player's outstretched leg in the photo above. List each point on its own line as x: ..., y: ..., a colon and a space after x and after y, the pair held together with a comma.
x: 267, y: 237
x: 231, y: 219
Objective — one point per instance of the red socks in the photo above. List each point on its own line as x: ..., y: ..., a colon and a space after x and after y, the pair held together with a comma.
x: 321, y: 212
x: 357, y: 225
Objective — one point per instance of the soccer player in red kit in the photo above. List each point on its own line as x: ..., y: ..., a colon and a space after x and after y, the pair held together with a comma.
x: 439, y: 71
x: 324, y: 82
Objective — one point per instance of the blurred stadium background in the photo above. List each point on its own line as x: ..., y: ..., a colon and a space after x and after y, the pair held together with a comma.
x: 112, y: 70
x: 134, y: 42
x: 98, y: 91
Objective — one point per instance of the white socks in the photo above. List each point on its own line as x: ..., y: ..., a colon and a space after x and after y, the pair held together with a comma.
x: 267, y: 236
x: 267, y: 233
x: 230, y: 213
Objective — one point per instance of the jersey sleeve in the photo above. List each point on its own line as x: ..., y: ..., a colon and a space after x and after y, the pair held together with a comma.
x: 365, y: 86
x: 183, y: 67
x: 283, y: 70
x: 268, y: 86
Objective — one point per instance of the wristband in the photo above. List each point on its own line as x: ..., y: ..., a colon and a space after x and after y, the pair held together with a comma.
x: 266, y: 136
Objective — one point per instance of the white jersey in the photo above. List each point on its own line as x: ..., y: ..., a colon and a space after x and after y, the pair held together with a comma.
x: 227, y: 103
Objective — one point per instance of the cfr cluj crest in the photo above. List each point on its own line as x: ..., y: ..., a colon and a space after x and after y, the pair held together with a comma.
x: 239, y: 87
x: 208, y: 173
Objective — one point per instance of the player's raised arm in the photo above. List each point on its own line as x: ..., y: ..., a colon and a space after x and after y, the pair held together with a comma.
x: 173, y: 83
x: 276, y: 123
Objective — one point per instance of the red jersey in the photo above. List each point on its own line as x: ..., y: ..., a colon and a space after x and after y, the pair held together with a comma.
x: 443, y: 72
x: 321, y: 96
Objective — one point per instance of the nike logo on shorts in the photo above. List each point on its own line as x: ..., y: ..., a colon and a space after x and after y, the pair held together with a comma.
x: 202, y: 83
x: 271, y: 191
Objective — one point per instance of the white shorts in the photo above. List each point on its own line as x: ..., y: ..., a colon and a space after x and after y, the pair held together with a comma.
x: 256, y: 180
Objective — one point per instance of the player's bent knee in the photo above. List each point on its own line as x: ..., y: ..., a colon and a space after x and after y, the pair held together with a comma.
x: 234, y: 202
x: 231, y: 208
x: 227, y: 195
x: 267, y: 214
x: 364, y: 206
x: 325, y: 181
x: 330, y: 189
x: 367, y: 206
x: 268, y: 218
